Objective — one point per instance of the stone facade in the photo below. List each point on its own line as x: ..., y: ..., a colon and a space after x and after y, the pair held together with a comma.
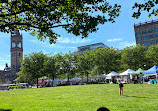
x: 16, y: 49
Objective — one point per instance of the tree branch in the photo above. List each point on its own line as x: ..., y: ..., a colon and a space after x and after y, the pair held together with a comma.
x: 27, y: 24
x: 28, y: 9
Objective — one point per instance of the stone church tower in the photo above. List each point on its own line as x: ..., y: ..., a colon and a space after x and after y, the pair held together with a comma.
x: 16, y: 53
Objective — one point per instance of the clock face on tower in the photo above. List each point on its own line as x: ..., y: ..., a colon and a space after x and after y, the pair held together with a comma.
x: 13, y: 44
x: 19, y: 44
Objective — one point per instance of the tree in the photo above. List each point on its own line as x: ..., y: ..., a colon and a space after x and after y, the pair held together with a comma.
x: 84, y: 63
x: 58, y: 64
x: 79, y: 17
x: 32, y: 67
x: 152, y: 55
x: 49, y: 67
x: 68, y: 65
x: 134, y: 57
x: 149, y: 6
x: 107, y: 59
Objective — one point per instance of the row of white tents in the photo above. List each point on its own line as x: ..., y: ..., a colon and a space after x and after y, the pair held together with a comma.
x: 124, y: 75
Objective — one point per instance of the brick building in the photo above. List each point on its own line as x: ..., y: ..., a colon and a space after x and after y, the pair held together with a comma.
x: 146, y: 33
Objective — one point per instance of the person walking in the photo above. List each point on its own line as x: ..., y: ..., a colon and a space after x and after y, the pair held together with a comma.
x: 121, y: 88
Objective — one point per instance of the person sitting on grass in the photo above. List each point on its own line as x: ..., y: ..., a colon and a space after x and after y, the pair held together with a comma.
x: 121, y: 88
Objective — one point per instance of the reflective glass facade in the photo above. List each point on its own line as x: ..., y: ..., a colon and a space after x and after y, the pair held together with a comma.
x: 151, y: 36
x: 145, y: 37
x: 140, y: 43
x: 138, y: 33
x: 146, y: 43
x: 83, y: 49
x: 156, y: 30
x: 152, y: 41
x: 144, y: 32
x: 139, y: 38
x: 150, y: 30
x: 156, y: 41
x: 100, y: 46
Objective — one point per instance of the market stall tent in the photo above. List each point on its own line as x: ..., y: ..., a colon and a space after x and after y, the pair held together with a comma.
x: 151, y: 71
x: 76, y: 79
x: 127, y: 72
x: 139, y: 71
x: 111, y: 74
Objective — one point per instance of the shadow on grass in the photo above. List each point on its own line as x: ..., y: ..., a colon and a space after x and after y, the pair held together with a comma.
x: 135, y: 96
x: 5, y: 110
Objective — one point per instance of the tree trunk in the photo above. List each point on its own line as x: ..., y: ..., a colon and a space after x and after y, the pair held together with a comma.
x: 82, y: 78
x: 87, y: 77
x: 52, y: 81
x: 68, y: 79
x: 37, y: 82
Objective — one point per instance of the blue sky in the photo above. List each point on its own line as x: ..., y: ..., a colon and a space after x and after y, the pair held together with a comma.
x: 119, y: 35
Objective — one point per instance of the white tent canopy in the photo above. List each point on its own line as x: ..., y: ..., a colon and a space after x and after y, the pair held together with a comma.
x: 76, y: 79
x: 56, y: 82
x: 103, y: 75
x: 127, y: 72
x: 113, y: 74
x: 66, y: 79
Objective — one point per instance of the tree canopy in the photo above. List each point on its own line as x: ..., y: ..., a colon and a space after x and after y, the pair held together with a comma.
x: 79, y: 17
x: 88, y: 63
x: 32, y: 67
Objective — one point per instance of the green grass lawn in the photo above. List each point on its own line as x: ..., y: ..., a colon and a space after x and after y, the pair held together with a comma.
x: 138, y: 97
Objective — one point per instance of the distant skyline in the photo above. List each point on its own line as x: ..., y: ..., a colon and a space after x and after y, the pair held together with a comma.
x: 118, y: 35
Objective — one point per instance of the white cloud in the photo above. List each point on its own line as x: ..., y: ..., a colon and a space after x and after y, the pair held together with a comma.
x: 46, y: 44
x: 2, y: 67
x: 3, y: 61
x: 73, y: 40
x: 114, y: 40
x: 124, y: 44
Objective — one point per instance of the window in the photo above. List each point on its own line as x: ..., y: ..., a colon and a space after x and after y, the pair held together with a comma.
x: 156, y: 35
x: 139, y: 38
x: 151, y: 36
x: 145, y: 37
x: 100, y: 46
x: 156, y: 30
x: 19, y: 54
x: 13, y: 44
x: 144, y: 32
x: 156, y: 41
x: 140, y: 43
x: 151, y: 41
x: 150, y: 30
x: 138, y: 33
x: 19, y: 44
x: 146, y: 43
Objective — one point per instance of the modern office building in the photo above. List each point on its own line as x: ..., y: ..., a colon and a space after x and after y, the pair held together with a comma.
x: 83, y: 49
x: 146, y: 33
